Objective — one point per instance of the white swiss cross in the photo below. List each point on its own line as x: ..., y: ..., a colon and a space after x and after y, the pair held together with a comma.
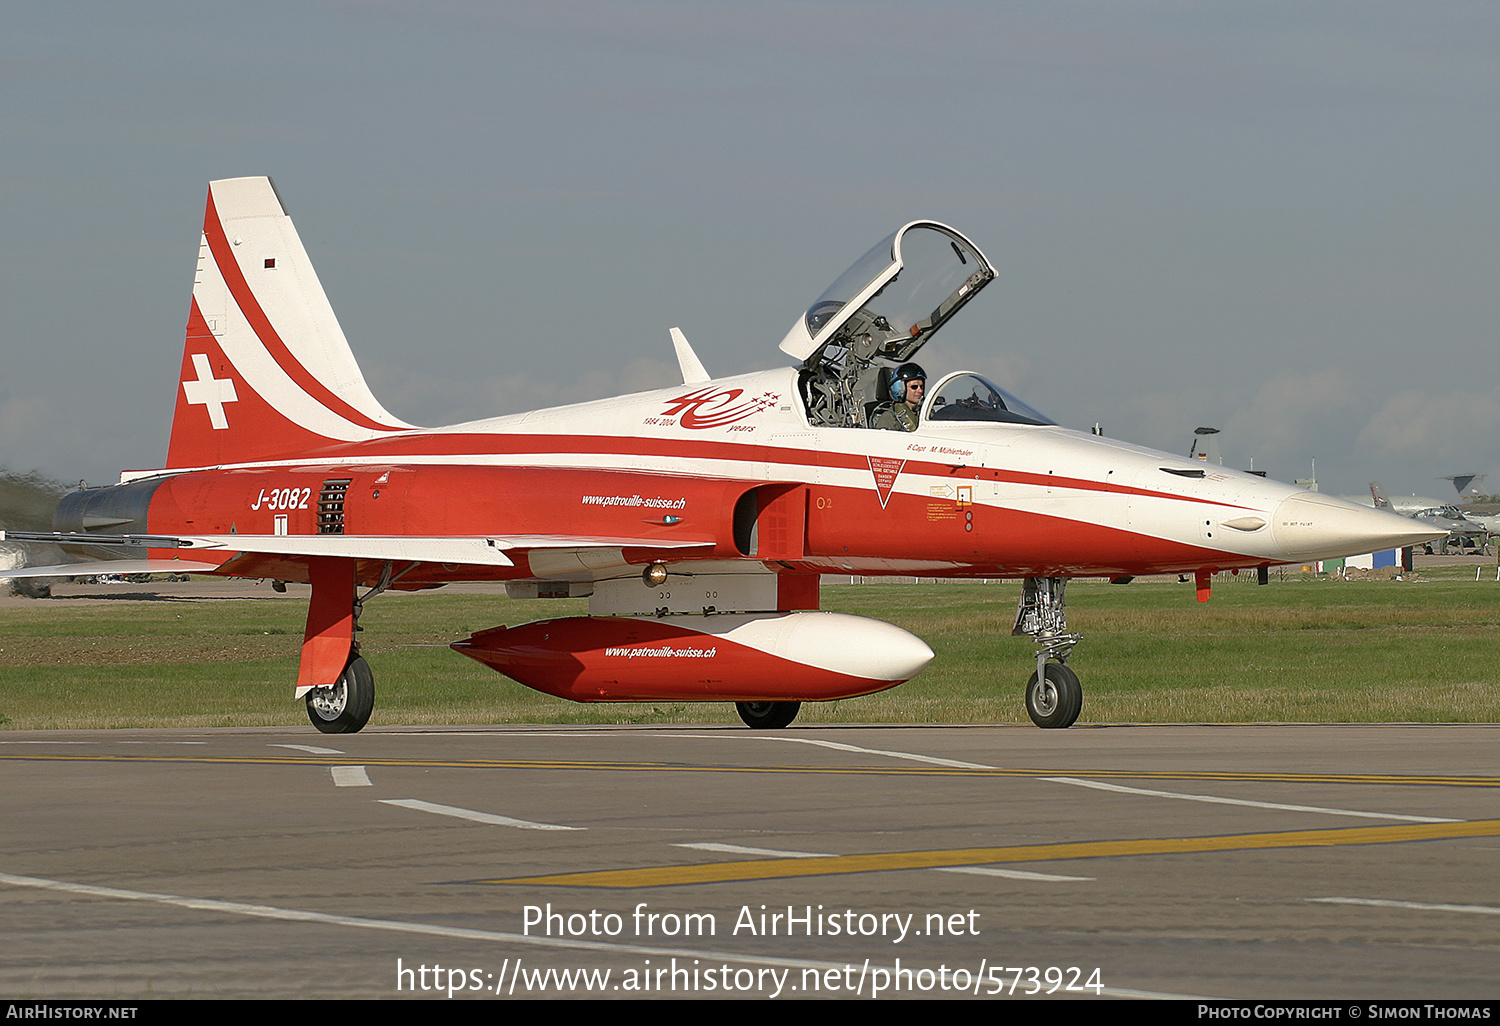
x: 210, y: 391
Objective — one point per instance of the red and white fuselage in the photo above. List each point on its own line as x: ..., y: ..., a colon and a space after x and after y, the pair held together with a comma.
x: 953, y: 500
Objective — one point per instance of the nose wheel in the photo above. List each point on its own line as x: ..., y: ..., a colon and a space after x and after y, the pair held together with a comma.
x: 1054, y: 699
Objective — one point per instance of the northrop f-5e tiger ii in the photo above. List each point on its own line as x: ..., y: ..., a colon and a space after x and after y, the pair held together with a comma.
x: 697, y: 518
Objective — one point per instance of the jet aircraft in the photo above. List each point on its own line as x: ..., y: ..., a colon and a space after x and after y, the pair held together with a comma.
x: 1457, y: 527
x: 697, y: 518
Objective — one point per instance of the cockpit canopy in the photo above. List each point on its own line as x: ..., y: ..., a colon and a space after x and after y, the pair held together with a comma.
x: 968, y: 396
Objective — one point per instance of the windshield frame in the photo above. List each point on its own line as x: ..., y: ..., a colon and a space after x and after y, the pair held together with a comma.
x: 1014, y: 411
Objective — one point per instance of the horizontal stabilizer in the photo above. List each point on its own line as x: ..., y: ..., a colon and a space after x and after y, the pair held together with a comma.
x: 155, y: 541
x: 473, y: 551
x: 112, y: 566
x: 397, y: 548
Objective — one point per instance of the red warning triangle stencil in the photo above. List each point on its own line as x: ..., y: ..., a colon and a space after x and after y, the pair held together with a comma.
x: 886, y: 470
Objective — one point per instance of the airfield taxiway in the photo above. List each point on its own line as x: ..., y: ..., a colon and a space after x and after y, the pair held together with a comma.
x: 1195, y: 861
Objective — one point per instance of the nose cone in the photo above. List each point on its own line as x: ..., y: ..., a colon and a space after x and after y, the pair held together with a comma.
x: 1312, y: 526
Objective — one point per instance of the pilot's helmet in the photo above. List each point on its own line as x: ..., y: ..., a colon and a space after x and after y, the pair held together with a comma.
x: 904, y: 373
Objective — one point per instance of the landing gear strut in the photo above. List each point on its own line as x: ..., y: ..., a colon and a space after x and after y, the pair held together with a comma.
x: 329, y: 648
x: 1054, y: 696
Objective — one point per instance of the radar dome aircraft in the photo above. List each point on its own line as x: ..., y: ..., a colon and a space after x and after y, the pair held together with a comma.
x: 697, y: 519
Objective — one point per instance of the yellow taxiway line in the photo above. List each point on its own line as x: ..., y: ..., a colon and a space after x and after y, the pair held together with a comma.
x: 767, y: 869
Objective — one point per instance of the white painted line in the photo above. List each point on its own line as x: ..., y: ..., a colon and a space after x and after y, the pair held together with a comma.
x: 740, y: 849
x: 310, y: 749
x: 1012, y: 874
x: 350, y: 776
x: 835, y: 745
x: 460, y: 933
x: 909, y: 756
x: 1214, y: 800
x: 737, y: 735
x: 470, y: 814
x: 428, y: 929
x: 1416, y: 906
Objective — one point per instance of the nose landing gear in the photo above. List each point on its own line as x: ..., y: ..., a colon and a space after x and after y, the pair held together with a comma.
x: 1054, y: 697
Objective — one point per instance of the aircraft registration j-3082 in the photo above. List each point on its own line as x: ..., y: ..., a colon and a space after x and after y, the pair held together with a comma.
x: 697, y: 519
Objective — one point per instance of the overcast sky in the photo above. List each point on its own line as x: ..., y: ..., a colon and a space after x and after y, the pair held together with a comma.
x: 1279, y: 219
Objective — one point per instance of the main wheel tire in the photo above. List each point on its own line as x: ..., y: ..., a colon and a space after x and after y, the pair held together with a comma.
x: 344, y: 706
x: 767, y: 715
x: 1056, y: 701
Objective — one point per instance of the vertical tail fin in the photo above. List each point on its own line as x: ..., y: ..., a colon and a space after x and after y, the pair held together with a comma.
x: 266, y: 370
x: 1378, y: 494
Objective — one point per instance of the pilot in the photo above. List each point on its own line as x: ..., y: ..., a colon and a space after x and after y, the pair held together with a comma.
x: 908, y: 384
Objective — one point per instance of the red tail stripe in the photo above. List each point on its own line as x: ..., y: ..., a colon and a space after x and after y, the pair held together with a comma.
x: 218, y: 243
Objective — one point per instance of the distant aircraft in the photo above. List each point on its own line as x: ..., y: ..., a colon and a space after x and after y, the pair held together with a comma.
x: 697, y: 518
x: 1206, y: 446
x: 1489, y: 521
x: 1458, y: 529
x: 1461, y: 482
x: 1405, y: 505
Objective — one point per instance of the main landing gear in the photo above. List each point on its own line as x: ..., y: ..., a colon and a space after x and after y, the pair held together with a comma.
x: 1054, y: 697
x: 344, y: 706
x: 767, y: 715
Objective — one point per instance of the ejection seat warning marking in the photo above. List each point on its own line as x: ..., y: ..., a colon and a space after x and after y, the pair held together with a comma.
x: 885, y: 471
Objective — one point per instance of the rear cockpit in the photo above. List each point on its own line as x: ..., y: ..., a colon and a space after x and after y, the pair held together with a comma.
x: 876, y: 316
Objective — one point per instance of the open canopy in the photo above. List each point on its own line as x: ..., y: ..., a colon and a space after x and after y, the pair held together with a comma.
x: 877, y: 315
x: 894, y: 298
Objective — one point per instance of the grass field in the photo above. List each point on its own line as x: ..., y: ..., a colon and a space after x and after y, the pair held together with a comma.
x: 1296, y: 650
